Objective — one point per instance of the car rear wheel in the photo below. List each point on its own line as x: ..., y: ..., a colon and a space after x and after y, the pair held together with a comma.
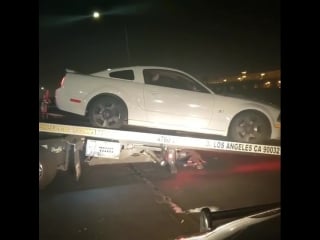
x: 250, y: 127
x: 107, y: 113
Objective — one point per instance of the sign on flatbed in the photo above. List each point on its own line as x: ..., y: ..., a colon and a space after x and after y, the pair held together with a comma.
x: 153, y: 139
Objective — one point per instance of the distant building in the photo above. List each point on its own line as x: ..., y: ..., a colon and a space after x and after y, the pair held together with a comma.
x: 268, y: 79
x: 263, y: 86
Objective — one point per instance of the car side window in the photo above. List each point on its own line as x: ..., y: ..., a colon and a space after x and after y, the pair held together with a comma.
x: 124, y: 74
x: 171, y: 79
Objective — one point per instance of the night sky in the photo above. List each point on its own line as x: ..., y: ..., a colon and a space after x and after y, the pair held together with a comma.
x: 204, y: 38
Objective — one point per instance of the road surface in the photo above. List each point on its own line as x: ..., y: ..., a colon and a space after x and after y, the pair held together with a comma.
x: 144, y: 201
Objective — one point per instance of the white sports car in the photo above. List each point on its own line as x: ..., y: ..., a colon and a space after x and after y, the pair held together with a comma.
x: 164, y: 98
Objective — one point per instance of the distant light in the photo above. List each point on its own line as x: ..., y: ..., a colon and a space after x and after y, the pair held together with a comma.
x: 109, y: 69
x: 239, y: 78
x: 244, y: 76
x: 96, y: 15
x: 279, y: 84
x: 224, y: 80
x: 42, y: 88
x: 262, y: 74
x: 244, y: 72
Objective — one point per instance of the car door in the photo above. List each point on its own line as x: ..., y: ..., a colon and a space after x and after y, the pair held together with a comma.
x: 172, y: 98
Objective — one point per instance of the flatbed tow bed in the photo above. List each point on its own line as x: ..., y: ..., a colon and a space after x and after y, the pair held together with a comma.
x: 71, y: 145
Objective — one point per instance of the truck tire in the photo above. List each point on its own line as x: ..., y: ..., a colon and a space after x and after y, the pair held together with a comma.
x: 107, y: 112
x: 47, y: 167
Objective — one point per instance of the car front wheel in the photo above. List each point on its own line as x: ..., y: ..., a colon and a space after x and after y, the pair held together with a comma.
x: 250, y: 127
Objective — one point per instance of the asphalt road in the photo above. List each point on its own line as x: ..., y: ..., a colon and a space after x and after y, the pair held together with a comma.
x: 144, y: 201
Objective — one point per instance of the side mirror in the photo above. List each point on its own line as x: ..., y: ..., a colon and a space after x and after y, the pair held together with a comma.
x: 205, y: 220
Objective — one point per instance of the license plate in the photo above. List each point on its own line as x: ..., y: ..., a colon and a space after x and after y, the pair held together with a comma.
x: 104, y: 149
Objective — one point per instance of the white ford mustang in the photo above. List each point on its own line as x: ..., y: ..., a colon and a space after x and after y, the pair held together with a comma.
x: 164, y: 98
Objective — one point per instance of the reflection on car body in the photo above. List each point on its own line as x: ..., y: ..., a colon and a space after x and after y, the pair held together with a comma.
x: 257, y: 222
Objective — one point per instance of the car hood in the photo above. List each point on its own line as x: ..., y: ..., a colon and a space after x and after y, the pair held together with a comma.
x: 249, y: 98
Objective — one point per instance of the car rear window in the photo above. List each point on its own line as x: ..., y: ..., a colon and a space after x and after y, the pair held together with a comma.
x: 124, y: 74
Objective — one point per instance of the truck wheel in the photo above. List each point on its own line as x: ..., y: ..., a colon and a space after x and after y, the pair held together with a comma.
x: 47, y: 168
x: 107, y: 113
x: 250, y: 127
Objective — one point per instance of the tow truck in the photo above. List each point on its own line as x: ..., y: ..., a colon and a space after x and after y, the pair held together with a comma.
x: 71, y: 146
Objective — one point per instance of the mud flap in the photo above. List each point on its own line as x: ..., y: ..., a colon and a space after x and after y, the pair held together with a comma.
x: 171, y: 156
x: 77, y: 164
x: 77, y: 146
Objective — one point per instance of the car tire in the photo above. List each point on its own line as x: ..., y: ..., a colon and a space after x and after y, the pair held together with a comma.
x: 250, y: 127
x: 107, y: 112
x: 47, y: 167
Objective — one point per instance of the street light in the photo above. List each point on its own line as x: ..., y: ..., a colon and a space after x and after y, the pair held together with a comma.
x: 96, y: 15
x: 244, y: 76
